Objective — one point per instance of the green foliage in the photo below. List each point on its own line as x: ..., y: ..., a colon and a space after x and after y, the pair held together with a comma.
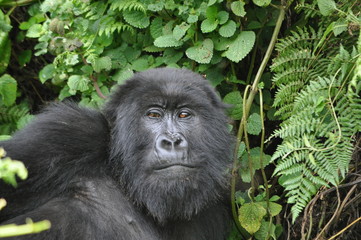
x: 320, y: 112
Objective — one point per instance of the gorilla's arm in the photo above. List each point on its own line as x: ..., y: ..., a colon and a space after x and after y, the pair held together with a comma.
x: 62, y: 142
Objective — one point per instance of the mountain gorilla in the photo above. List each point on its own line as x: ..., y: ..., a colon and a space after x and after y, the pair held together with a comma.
x: 152, y: 165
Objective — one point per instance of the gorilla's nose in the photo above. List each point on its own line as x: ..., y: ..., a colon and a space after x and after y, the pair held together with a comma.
x: 171, y: 146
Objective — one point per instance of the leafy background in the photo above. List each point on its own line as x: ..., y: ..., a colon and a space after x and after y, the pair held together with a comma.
x: 290, y: 69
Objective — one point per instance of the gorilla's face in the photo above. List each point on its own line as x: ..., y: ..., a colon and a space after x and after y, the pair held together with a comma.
x: 170, y: 144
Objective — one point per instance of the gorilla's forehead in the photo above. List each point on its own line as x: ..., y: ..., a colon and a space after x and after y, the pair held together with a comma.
x: 172, y: 87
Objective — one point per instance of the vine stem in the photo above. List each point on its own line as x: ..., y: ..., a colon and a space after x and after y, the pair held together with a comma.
x: 252, y: 94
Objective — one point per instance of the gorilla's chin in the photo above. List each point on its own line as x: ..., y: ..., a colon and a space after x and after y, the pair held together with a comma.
x: 180, y: 198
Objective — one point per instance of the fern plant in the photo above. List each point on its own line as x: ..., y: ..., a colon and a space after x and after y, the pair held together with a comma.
x: 321, y: 113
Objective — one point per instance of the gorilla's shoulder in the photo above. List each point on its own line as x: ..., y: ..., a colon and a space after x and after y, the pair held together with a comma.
x: 61, y: 128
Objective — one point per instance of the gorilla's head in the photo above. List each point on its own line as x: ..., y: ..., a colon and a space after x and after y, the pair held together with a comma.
x: 170, y: 146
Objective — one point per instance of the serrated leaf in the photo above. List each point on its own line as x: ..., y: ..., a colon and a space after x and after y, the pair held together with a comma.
x: 102, y: 63
x: 262, y: 3
x: 156, y: 27
x: 235, y: 98
x: 237, y: 8
x: 78, y: 82
x: 123, y: 74
x: 251, y: 215
x: 326, y: 6
x: 228, y: 29
x: 340, y: 26
x: 274, y: 208
x: 140, y: 64
x: 222, y: 17
x: 192, y: 19
x: 209, y: 25
x: 241, y: 46
x: 167, y: 41
x: 180, y: 30
x: 211, y: 12
x: 8, y: 87
x: 254, y: 124
x: 34, y: 31
x: 46, y: 73
x: 202, y: 52
x: 137, y: 19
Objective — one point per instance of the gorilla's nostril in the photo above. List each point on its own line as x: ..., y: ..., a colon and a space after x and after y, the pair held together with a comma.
x: 178, y: 141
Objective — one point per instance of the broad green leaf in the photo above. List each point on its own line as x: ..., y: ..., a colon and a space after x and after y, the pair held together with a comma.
x: 78, y: 82
x: 46, y: 73
x: 156, y: 27
x: 137, y: 19
x: 202, y: 52
x: 241, y: 46
x: 262, y: 3
x: 167, y: 41
x: 180, y: 30
x: 340, y: 26
x: 24, y: 57
x: 228, y: 29
x: 209, y: 25
x: 265, y: 230
x: 254, y: 124
x: 235, y: 98
x: 8, y: 87
x: 237, y: 8
x: 123, y: 74
x: 250, y: 216
x: 34, y: 31
x: 222, y: 17
x: 102, y: 63
x: 326, y: 6
x: 192, y: 19
x: 274, y: 208
x: 140, y: 64
x: 211, y: 12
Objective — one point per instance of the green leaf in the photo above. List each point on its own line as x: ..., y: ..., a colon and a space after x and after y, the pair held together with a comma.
x: 262, y: 3
x: 241, y: 46
x: 78, y: 82
x: 46, y: 73
x: 228, y: 29
x: 180, y: 30
x: 192, y: 19
x: 137, y: 19
x: 235, y: 98
x: 251, y: 215
x: 122, y: 75
x: 102, y: 63
x: 237, y: 8
x: 209, y: 25
x: 326, y: 6
x: 202, y: 52
x: 8, y: 87
x: 274, y: 208
x: 34, y: 31
x: 211, y: 12
x: 156, y: 27
x: 167, y: 41
x: 254, y: 124
x: 340, y: 26
x: 140, y: 64
x: 222, y: 17
x: 24, y: 57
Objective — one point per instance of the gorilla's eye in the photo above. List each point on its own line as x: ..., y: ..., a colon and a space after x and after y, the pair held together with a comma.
x: 184, y: 114
x: 154, y: 114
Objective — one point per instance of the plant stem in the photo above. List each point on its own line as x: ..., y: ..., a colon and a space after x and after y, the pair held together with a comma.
x: 252, y: 94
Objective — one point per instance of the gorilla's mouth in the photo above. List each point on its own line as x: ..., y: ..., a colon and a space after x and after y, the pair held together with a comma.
x: 175, y: 165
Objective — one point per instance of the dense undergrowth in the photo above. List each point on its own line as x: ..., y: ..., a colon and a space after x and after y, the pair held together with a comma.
x: 291, y: 70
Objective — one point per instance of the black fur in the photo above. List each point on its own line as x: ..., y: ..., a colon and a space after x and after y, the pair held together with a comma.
x: 95, y: 175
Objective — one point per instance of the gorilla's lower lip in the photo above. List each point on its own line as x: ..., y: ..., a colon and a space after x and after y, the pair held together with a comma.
x: 171, y: 165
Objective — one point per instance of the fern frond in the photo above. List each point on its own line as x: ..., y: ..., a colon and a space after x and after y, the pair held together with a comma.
x: 126, y: 5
